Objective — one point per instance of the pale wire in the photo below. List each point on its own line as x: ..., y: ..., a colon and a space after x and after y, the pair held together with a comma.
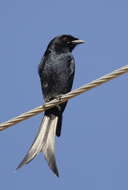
x: 65, y: 97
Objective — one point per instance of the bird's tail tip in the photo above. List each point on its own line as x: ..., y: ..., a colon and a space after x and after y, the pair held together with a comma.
x: 52, y: 164
x: 44, y: 142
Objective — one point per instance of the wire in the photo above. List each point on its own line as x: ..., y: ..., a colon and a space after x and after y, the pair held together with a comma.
x: 64, y: 97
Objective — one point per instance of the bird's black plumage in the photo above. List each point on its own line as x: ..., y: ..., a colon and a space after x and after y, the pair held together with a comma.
x: 56, y: 71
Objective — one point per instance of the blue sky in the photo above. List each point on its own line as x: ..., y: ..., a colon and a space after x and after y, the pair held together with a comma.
x: 92, y: 152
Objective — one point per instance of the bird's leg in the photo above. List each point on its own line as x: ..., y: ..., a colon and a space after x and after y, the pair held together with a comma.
x: 48, y: 99
x: 58, y: 97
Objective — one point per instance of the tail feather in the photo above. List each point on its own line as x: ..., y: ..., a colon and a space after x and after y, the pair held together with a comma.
x: 44, y: 142
x: 49, y: 148
x: 59, y: 126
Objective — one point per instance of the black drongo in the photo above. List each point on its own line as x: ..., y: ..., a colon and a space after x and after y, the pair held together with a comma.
x: 56, y: 72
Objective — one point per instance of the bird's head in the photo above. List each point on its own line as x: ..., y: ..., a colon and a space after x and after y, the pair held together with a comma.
x: 64, y: 43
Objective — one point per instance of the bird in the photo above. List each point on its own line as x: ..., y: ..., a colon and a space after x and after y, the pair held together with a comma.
x: 56, y: 71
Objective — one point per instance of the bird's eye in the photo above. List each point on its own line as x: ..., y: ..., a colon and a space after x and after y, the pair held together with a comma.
x: 65, y: 39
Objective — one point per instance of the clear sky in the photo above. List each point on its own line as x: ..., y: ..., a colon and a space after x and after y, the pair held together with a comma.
x: 92, y: 152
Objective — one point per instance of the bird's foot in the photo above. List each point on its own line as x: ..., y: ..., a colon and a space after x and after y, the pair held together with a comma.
x: 58, y: 97
x: 48, y: 99
x: 55, y: 98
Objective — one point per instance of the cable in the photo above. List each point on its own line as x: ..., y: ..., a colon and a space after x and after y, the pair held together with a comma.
x: 64, y: 97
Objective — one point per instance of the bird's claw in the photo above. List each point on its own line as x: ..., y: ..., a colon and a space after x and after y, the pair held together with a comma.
x: 47, y: 99
x: 59, y: 97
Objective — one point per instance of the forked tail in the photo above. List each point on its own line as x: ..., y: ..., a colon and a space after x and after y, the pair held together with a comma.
x: 44, y: 142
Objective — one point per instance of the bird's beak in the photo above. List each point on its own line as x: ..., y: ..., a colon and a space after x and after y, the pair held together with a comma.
x: 78, y: 41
